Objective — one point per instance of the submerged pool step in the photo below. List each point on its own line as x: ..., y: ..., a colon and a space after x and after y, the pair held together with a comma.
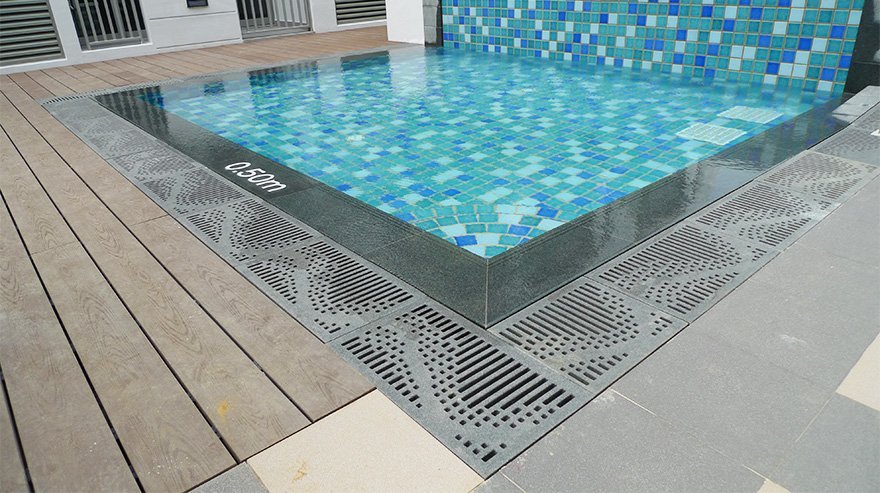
x: 483, y: 399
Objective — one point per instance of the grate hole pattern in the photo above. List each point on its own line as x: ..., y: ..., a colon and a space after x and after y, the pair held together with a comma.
x: 247, y: 229
x: 193, y: 190
x: 765, y: 214
x: 823, y: 176
x: 150, y: 165
x: 852, y: 143
x: 589, y: 332
x: 327, y: 290
x: 484, y: 401
x: 684, y: 271
x: 870, y: 120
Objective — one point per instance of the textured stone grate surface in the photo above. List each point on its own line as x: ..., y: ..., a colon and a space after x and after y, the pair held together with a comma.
x: 870, y: 120
x: 685, y: 270
x: 852, y: 143
x: 326, y: 289
x: 484, y: 400
x: 191, y: 191
x: 589, y: 332
x: 820, y: 175
x: 248, y: 228
x: 765, y: 214
x: 151, y: 165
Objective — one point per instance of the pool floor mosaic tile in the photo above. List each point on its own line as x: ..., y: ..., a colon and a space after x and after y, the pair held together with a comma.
x: 486, y: 152
x: 804, y: 44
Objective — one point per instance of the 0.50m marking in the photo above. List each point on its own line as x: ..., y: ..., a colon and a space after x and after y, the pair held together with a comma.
x: 257, y: 176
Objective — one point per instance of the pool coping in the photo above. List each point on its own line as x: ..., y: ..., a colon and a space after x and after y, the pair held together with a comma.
x: 485, y: 291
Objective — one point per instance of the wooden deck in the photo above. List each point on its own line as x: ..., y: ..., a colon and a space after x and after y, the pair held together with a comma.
x: 132, y: 357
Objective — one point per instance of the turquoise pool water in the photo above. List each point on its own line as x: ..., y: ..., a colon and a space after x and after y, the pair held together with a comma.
x: 485, y: 151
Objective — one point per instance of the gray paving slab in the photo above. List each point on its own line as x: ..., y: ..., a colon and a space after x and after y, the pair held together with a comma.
x: 839, y: 452
x: 614, y: 445
x: 743, y: 406
x: 781, y: 331
x: 498, y: 483
x: 239, y: 479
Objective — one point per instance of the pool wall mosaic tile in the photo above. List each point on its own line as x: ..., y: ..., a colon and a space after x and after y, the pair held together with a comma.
x: 790, y: 43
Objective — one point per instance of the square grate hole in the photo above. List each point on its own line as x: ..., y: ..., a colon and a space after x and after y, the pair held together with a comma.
x: 765, y: 214
x: 248, y: 228
x: 820, y: 175
x: 714, y: 134
x: 326, y: 289
x: 190, y: 191
x: 485, y: 401
x: 852, y: 143
x: 589, y: 332
x: 684, y: 271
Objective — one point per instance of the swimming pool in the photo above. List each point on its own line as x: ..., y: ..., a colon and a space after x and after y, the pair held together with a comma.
x: 484, y: 151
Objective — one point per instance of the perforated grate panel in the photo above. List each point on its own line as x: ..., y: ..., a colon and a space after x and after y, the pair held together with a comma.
x: 248, y: 228
x: 150, y: 165
x: 852, y: 143
x: 823, y: 176
x: 755, y: 115
x: 191, y: 191
x: 484, y: 400
x: 589, y: 332
x: 765, y: 214
x: 326, y: 289
x: 714, y: 134
x: 684, y: 271
x: 870, y: 120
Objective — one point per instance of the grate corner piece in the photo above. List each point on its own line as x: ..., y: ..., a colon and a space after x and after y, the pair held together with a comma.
x: 247, y: 229
x: 589, y: 332
x: 684, y: 271
x: 749, y: 114
x: 765, y: 214
x: 484, y: 400
x: 713, y: 134
x: 820, y: 175
x: 190, y: 191
x: 852, y: 143
x: 328, y: 290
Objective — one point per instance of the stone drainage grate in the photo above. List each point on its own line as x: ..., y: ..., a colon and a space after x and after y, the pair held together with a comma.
x: 484, y: 400
x: 190, y: 191
x: 685, y: 270
x: 856, y: 144
x: 327, y: 289
x: 822, y: 176
x: 765, y: 214
x: 248, y: 228
x: 589, y: 332
x: 870, y: 120
x: 151, y: 165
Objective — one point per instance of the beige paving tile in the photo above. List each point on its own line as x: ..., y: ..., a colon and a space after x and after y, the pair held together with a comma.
x: 861, y: 384
x: 771, y: 487
x: 369, y: 445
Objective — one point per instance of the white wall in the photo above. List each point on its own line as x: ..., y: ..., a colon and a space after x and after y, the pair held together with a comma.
x: 405, y: 21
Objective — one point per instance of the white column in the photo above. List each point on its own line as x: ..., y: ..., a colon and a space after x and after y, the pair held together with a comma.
x: 406, y: 21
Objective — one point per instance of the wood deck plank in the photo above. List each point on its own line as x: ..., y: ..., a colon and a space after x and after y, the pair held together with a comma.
x: 49, y: 395
x: 307, y: 370
x: 13, y: 477
x: 169, y: 443
x: 250, y: 412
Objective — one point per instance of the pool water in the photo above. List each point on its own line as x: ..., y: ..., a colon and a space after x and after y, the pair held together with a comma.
x: 485, y: 151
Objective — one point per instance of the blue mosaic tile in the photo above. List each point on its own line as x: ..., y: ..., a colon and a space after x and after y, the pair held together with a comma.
x: 486, y: 152
x: 804, y: 44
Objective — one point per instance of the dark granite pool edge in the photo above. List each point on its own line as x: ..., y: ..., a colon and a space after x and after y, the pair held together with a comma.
x: 484, y: 291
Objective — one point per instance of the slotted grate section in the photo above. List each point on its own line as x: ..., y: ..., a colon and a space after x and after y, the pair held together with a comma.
x: 870, y: 120
x: 151, y: 165
x: 748, y: 114
x: 327, y: 290
x: 192, y: 190
x: 248, y: 228
x: 589, y: 332
x: 684, y: 271
x: 852, y: 143
x: 485, y: 401
x: 820, y: 175
x: 766, y: 214
x: 714, y: 134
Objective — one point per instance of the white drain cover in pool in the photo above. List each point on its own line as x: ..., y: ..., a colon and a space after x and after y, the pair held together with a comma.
x: 713, y: 134
x: 754, y: 115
